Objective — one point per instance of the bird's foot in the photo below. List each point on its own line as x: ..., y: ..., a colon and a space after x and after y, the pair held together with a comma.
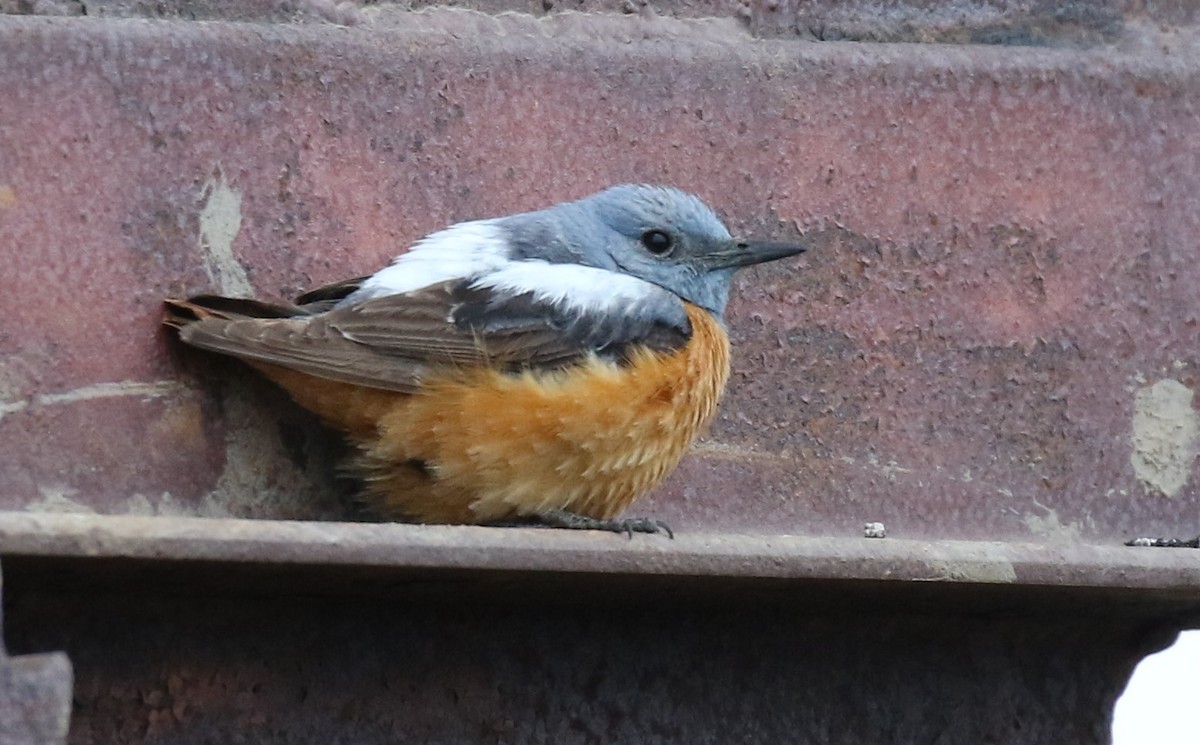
x: 626, y: 525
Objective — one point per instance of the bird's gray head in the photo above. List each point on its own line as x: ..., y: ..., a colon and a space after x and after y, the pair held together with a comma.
x: 659, y: 234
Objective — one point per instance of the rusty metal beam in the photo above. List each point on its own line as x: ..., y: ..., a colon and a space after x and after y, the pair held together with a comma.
x: 190, y: 630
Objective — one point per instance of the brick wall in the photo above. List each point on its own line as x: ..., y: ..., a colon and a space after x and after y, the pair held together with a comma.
x: 995, y: 335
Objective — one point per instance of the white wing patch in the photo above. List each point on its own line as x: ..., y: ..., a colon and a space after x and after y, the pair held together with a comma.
x: 479, y: 250
x: 468, y: 249
x: 583, y: 289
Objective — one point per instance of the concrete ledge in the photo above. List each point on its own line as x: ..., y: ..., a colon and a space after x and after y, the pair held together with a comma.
x: 1169, y: 580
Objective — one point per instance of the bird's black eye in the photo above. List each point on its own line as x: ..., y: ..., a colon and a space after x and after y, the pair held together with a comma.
x: 657, y: 242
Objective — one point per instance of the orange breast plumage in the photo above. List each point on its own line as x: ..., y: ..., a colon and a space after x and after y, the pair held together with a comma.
x: 481, y: 445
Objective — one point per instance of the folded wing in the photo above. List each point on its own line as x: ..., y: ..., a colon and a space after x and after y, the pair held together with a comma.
x: 392, y: 342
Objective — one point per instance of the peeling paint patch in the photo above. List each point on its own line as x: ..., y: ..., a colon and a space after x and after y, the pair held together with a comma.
x: 734, y: 453
x: 220, y: 221
x: 12, y: 407
x: 57, y: 499
x: 889, y: 469
x: 140, y: 504
x: 1166, y: 431
x: 991, y: 572
x: 122, y: 388
x: 259, y: 479
x: 1049, y: 526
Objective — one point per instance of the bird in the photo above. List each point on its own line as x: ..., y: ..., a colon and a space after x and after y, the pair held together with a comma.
x: 543, y: 368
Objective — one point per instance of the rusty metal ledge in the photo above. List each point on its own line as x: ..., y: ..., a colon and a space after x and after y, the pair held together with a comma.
x: 361, y: 557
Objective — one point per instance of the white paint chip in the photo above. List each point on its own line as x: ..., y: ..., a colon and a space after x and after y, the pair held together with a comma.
x: 874, y: 530
x: 220, y: 221
x: 12, y: 407
x: 123, y: 388
x: 117, y: 389
x: 1049, y: 527
x: 1166, y: 432
x: 57, y: 498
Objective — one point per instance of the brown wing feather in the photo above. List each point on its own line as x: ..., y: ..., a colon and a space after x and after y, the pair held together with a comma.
x: 180, y: 313
x: 387, y: 343
x: 426, y: 324
x: 324, y: 298
x: 306, y: 345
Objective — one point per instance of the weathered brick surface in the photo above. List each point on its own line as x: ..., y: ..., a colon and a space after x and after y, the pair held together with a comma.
x: 350, y: 12
x: 1017, y: 22
x: 1003, y: 264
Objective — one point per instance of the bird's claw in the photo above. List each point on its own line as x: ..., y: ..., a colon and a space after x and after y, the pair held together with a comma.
x: 627, y: 525
x: 647, y: 525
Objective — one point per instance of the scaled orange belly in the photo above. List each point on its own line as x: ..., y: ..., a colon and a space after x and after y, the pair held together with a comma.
x: 482, y: 445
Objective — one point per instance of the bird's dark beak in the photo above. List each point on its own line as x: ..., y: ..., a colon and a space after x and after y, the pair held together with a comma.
x: 738, y: 253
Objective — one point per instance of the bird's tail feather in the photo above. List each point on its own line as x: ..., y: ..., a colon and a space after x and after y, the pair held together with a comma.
x: 180, y: 313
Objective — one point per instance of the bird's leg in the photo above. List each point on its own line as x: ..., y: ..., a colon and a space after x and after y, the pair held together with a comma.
x: 575, y: 521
